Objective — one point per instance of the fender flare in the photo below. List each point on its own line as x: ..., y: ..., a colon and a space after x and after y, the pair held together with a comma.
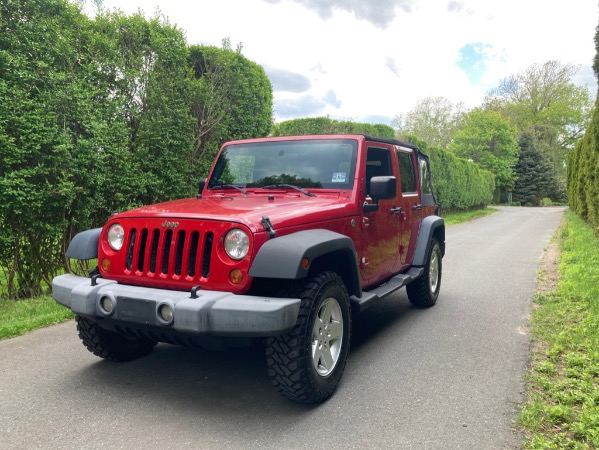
x: 282, y: 257
x: 430, y: 226
x: 85, y: 244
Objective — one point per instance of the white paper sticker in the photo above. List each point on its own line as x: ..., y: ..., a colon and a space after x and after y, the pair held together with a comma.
x: 339, y: 177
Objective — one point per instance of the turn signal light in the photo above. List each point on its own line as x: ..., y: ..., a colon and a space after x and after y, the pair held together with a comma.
x: 105, y: 265
x: 235, y: 276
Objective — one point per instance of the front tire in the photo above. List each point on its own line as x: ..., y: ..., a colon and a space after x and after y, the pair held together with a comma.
x: 109, y: 344
x: 424, y: 291
x: 306, y: 364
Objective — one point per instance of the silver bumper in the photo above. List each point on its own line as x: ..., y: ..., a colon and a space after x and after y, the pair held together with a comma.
x: 213, y: 312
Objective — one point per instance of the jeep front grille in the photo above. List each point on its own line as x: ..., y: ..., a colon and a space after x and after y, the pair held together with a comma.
x: 169, y: 252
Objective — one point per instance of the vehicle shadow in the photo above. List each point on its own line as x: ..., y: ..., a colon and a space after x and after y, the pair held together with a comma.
x: 229, y: 385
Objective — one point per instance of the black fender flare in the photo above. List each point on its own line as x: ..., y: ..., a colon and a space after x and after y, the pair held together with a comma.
x: 281, y: 257
x: 85, y: 244
x: 430, y: 226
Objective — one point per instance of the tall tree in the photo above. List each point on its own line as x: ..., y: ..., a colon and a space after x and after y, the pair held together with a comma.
x: 487, y: 139
x: 230, y: 97
x: 433, y: 119
x: 544, y: 99
x: 535, y: 176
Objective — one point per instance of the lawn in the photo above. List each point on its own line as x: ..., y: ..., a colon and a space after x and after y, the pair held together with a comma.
x: 18, y: 317
x: 562, y: 410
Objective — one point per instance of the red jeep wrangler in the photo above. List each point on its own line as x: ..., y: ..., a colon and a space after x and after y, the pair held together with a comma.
x: 286, y: 239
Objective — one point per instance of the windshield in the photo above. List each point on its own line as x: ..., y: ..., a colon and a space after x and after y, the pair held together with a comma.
x: 323, y: 163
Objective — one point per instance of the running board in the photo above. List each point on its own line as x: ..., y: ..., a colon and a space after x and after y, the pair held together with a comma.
x: 369, y: 298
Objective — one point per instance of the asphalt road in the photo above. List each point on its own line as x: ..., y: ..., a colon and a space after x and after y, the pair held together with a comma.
x: 448, y: 377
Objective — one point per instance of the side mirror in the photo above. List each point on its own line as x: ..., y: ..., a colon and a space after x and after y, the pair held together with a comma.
x: 201, y: 187
x: 383, y: 187
x: 380, y: 188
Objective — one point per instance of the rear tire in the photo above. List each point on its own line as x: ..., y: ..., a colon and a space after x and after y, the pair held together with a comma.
x: 109, y: 344
x: 306, y: 364
x: 424, y: 291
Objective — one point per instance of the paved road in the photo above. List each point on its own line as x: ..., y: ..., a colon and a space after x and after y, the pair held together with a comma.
x: 444, y: 378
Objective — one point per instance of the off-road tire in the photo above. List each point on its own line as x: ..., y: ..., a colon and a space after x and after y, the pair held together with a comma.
x: 290, y: 360
x: 109, y: 344
x: 424, y: 291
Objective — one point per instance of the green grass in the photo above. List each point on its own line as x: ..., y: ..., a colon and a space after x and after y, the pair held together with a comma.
x: 18, y: 317
x: 562, y: 409
x: 459, y: 217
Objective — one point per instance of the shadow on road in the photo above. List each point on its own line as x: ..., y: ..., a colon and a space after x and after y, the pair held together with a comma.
x: 229, y: 385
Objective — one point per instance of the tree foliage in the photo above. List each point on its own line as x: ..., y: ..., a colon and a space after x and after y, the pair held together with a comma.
x: 433, y: 119
x: 487, y: 139
x: 99, y: 115
x: 458, y: 184
x: 325, y: 125
x: 544, y: 100
x: 583, y: 165
x: 231, y: 98
x: 535, y: 177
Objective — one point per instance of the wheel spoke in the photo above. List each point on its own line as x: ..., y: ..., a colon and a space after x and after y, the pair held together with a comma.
x: 316, y: 354
x: 327, y: 359
x: 335, y: 330
x: 325, y: 312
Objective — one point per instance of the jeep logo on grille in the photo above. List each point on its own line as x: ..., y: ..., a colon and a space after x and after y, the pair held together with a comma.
x: 167, y: 224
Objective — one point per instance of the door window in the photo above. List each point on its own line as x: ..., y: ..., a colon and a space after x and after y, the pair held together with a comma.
x: 406, y: 172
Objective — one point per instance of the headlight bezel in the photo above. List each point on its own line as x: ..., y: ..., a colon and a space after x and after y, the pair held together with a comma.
x: 239, y: 247
x: 115, y: 235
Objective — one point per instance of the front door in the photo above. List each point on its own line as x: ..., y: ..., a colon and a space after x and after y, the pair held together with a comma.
x: 380, y: 241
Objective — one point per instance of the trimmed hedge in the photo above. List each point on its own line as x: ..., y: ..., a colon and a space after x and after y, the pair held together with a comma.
x: 583, y: 174
x: 325, y: 125
x: 458, y: 183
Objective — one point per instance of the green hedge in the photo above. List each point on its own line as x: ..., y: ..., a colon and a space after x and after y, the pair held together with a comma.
x: 325, y: 125
x: 583, y: 174
x: 458, y: 184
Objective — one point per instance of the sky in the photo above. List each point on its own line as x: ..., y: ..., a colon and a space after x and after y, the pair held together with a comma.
x: 370, y: 60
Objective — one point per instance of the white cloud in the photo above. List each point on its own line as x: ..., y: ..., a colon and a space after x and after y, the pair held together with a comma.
x: 361, y: 59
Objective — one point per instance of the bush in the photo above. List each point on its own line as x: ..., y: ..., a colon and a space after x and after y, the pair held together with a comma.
x: 458, y: 184
x: 325, y: 125
x: 546, y: 202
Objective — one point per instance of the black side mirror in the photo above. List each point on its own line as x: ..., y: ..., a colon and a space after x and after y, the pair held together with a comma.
x: 380, y: 188
x: 201, y: 187
x: 383, y: 187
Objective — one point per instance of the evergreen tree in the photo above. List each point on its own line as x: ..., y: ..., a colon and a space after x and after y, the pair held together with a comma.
x: 535, y: 175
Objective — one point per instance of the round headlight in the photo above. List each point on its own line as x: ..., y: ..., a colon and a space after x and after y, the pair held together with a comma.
x: 116, y: 236
x: 237, y: 243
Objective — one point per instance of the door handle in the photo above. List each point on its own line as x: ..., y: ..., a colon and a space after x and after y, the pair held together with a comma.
x: 397, y: 210
x: 417, y: 207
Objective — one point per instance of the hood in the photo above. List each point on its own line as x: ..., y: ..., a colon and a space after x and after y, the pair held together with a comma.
x: 282, y: 210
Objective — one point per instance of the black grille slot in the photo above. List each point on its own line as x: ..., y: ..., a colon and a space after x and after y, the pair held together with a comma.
x: 167, y: 251
x: 193, y: 253
x: 141, y: 257
x: 154, y: 251
x: 206, y: 256
x: 179, y: 255
x: 129, y: 259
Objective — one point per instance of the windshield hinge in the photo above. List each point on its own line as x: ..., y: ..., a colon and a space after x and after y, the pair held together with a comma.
x: 268, y: 226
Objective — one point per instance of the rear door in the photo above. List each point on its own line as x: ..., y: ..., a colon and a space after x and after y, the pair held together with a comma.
x: 410, y: 203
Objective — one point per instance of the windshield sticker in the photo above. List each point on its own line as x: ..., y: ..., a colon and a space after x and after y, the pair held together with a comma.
x: 339, y: 177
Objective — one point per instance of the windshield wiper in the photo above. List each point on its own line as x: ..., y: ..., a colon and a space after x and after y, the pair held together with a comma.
x: 230, y: 186
x: 283, y: 185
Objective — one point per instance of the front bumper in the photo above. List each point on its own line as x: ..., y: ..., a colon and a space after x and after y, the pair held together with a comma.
x: 212, y: 313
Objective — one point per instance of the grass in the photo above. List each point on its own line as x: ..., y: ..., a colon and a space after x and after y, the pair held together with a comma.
x: 18, y: 317
x: 459, y: 217
x: 562, y: 409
